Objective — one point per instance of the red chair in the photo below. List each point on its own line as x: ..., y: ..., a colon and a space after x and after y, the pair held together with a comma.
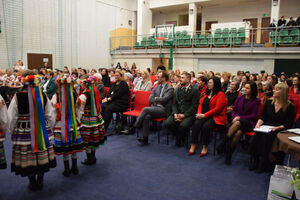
x: 106, y: 90
x: 295, y: 98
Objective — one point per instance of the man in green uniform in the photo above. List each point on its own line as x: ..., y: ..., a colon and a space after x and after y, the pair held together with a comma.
x: 184, y: 108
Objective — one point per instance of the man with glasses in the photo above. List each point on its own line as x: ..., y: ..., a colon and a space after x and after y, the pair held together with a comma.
x: 161, y: 101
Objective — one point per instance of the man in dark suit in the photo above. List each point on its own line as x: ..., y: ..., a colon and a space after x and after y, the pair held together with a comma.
x: 184, y: 108
x: 161, y: 101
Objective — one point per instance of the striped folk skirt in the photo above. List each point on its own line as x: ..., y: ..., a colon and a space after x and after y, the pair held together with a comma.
x: 92, y: 130
x: 66, y: 148
x: 25, y: 161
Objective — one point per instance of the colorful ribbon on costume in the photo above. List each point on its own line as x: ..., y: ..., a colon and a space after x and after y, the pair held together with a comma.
x: 68, y: 116
x: 95, y: 100
x: 39, y: 133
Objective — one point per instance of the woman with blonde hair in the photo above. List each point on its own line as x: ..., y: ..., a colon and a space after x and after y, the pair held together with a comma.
x: 144, y: 84
x: 278, y: 112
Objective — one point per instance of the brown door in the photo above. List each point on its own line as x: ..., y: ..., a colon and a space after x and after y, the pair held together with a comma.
x: 253, y: 24
x: 156, y: 62
x: 265, y: 22
x: 208, y: 25
x: 37, y: 61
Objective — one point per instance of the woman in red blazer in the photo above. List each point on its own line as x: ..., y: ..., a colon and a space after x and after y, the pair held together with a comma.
x: 211, y: 112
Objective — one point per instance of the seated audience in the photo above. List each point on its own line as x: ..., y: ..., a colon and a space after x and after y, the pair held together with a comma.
x: 144, y: 83
x: 117, y: 99
x: 127, y: 78
x: 184, y: 109
x: 231, y: 96
x: 294, y: 89
x: 244, y: 116
x: 278, y: 112
x: 176, y: 81
x: 211, y: 112
x: 201, y: 85
x: 161, y: 101
x: 105, y: 77
x: 226, y: 81
x: 50, y: 87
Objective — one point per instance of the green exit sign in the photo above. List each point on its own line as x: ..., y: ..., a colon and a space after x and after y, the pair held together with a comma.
x: 265, y: 15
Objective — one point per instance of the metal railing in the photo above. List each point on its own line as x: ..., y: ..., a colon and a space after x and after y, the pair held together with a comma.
x: 253, y: 38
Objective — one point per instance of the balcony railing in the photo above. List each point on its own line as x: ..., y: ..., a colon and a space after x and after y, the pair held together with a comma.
x: 233, y: 40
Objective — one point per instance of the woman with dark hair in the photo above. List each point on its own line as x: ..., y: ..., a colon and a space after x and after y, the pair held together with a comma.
x: 201, y: 84
x: 295, y: 88
x: 211, y: 112
x: 117, y: 99
x: 278, y: 112
x: 105, y: 77
x: 244, y: 116
x: 231, y: 96
x: 211, y: 74
x: 252, y: 77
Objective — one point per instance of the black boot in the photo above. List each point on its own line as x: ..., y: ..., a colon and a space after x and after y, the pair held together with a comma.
x: 221, y: 148
x: 88, y: 160
x: 74, y: 169
x: 254, y: 160
x: 66, y: 172
x: 262, y: 166
x: 143, y: 140
x: 229, y: 153
x: 32, y: 183
x: 40, y: 181
x: 93, y: 157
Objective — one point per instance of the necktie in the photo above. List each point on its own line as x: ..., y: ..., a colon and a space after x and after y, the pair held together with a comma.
x: 159, y: 90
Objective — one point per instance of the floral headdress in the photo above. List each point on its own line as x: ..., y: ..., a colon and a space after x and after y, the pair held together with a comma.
x: 31, y: 79
x: 66, y: 79
x: 89, y: 80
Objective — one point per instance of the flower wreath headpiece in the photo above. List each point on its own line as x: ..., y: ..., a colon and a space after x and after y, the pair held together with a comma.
x: 31, y: 79
x: 66, y: 79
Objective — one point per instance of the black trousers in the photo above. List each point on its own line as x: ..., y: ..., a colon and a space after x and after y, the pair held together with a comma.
x: 108, y: 109
x: 203, y: 126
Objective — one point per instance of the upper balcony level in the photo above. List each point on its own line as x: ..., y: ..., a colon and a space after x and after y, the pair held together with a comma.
x: 218, y: 40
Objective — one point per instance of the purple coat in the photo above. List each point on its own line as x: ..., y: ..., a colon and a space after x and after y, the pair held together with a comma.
x: 251, y: 110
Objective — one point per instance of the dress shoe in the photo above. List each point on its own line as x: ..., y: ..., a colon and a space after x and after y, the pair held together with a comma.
x: 143, y: 140
x: 191, y: 153
x: 203, y: 154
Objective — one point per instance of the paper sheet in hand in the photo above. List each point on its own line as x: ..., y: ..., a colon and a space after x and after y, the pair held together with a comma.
x: 295, y: 139
x: 294, y: 130
x: 264, y: 129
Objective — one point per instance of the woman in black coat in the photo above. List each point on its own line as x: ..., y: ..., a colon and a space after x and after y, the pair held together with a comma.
x: 117, y: 99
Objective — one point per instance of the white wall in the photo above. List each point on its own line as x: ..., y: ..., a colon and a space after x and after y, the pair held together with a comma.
x: 162, y: 18
x: 164, y: 3
x: 76, y: 32
x: 144, y: 18
x: 230, y: 65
